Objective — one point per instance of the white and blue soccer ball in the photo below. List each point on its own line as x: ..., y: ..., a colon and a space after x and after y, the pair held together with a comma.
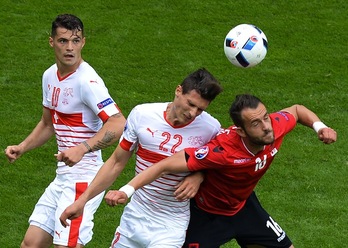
x: 245, y: 45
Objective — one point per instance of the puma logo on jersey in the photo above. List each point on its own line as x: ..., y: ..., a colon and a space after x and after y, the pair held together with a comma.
x: 152, y: 132
x: 58, y: 233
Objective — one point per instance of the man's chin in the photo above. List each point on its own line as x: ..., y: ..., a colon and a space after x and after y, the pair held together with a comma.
x: 268, y: 141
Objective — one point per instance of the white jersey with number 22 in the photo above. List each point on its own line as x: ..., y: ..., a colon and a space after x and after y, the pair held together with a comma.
x: 154, y: 138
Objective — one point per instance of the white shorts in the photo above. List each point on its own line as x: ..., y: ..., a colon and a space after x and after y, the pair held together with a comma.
x: 137, y: 230
x: 61, y: 193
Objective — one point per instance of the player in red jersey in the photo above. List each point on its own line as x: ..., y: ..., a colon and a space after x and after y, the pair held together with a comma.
x: 226, y: 206
x: 79, y: 111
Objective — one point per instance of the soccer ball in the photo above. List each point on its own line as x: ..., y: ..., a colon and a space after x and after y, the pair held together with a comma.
x: 245, y: 45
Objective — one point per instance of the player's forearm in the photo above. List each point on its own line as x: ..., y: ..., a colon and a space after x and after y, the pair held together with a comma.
x: 303, y: 115
x: 147, y: 176
x: 173, y: 164
x: 102, y: 181
x: 107, y: 174
x: 39, y: 136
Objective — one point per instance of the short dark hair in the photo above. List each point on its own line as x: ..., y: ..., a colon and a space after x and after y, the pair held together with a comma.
x: 203, y: 82
x: 68, y: 21
x: 240, y: 103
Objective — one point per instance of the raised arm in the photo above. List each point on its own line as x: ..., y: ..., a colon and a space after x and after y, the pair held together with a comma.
x: 308, y: 118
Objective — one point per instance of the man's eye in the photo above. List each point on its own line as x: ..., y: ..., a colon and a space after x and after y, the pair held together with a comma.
x: 255, y: 124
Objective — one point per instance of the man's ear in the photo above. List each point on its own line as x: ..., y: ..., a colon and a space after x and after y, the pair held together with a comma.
x: 178, y: 90
x: 83, y: 41
x: 240, y: 131
x: 50, y: 41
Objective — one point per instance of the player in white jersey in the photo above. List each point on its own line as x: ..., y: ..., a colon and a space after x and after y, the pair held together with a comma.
x: 154, y: 217
x: 79, y: 111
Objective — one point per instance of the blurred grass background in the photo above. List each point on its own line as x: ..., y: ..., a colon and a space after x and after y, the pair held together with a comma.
x: 143, y: 49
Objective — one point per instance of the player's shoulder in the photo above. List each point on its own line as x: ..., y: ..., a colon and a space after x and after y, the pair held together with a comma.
x: 205, y: 114
x: 161, y: 106
x: 147, y: 112
x: 228, y: 135
x: 87, y: 77
x: 208, y: 118
x: 228, y: 131
x: 85, y: 66
x: 86, y: 70
x: 282, y: 123
x: 52, y: 69
x: 282, y: 117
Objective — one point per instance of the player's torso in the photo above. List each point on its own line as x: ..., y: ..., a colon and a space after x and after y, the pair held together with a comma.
x: 235, y: 173
x: 64, y: 95
x: 239, y: 167
x: 72, y: 118
x: 157, y: 139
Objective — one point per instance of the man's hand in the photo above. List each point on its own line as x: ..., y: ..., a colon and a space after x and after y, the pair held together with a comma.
x: 72, y: 155
x: 115, y: 197
x: 13, y: 153
x: 327, y: 135
x: 188, y: 187
x: 74, y: 211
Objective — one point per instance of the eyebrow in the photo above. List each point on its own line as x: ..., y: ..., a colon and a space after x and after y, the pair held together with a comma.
x: 75, y: 38
x: 259, y: 119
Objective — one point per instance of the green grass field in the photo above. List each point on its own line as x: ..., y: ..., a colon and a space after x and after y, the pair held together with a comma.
x: 143, y: 49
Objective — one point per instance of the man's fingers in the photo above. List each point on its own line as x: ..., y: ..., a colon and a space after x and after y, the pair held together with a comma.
x: 109, y: 200
x: 113, y: 198
x: 63, y: 221
x: 328, y: 136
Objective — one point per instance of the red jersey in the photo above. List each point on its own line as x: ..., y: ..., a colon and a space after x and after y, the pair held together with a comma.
x: 232, y: 171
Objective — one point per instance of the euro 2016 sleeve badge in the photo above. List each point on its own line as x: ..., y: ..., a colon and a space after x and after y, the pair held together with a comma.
x: 201, y: 152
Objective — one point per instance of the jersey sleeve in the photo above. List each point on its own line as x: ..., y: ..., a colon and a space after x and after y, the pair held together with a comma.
x: 205, y: 157
x: 96, y: 96
x: 129, y: 138
x: 45, y: 95
x: 283, y: 123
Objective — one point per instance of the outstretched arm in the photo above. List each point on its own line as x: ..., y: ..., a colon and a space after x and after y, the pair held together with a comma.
x: 173, y: 164
x: 104, y: 179
x: 308, y: 118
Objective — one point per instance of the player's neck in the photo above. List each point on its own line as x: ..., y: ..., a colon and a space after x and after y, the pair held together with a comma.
x: 171, y: 117
x: 65, y: 70
x: 252, y: 147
